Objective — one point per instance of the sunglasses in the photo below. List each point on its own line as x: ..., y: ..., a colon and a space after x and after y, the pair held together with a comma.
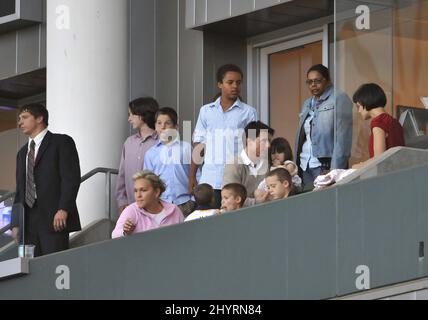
x: 314, y: 81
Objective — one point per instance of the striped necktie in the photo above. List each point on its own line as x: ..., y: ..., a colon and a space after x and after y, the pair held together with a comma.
x: 30, y: 190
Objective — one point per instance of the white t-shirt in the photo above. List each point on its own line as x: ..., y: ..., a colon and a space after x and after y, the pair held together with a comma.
x: 200, y: 214
x: 254, y: 167
x: 158, y: 217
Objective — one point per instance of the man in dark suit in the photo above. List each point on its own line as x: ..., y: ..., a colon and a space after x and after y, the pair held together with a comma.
x: 47, y: 183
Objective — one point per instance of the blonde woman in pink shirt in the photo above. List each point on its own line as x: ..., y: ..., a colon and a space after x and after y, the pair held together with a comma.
x: 148, y: 212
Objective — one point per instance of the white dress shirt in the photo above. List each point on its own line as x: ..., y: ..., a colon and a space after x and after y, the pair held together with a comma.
x: 254, y: 167
x: 38, y: 141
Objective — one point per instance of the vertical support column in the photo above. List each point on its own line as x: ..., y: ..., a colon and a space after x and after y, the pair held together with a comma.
x: 88, y: 86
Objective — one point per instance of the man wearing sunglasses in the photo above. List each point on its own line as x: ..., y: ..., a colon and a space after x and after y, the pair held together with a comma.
x: 324, y: 137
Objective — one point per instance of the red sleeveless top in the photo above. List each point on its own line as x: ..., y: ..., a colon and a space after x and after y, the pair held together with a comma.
x: 393, y: 129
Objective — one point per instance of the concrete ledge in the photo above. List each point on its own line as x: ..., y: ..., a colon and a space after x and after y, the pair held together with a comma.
x: 9, y: 251
x: 398, y: 291
x: 13, y: 268
x: 392, y: 160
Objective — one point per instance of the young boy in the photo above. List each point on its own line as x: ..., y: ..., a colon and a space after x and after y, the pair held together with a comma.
x: 233, y: 197
x: 217, y: 129
x: 204, y: 197
x: 142, y: 113
x: 170, y: 159
x: 279, y: 184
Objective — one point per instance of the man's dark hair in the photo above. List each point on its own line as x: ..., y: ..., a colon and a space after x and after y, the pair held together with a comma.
x: 171, y: 113
x: 282, y: 175
x: 146, y: 108
x: 281, y: 145
x: 221, y: 73
x: 257, y: 127
x: 370, y: 96
x: 321, y: 69
x: 37, y: 110
x: 238, y: 190
x: 204, y: 194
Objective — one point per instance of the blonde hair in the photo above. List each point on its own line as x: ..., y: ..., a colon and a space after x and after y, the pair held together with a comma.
x: 154, y: 180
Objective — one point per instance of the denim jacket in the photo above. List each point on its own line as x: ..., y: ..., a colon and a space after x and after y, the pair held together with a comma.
x: 334, y: 109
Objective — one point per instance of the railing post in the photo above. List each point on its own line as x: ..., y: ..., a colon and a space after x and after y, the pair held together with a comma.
x: 108, y: 193
x: 5, y: 198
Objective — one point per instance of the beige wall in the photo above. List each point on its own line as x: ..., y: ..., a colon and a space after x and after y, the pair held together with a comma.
x: 410, y: 71
x: 288, y: 90
x: 7, y: 120
x: 10, y: 142
x: 410, y: 56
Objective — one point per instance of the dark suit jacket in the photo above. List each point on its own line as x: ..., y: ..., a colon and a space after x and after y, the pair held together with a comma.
x: 57, y: 179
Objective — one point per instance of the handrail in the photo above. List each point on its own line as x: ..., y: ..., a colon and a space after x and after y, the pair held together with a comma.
x: 92, y: 173
x: 109, y: 172
x: 7, y: 196
x: 86, y: 177
x: 3, y: 198
x: 5, y: 229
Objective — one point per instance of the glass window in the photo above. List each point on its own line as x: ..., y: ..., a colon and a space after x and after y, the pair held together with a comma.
x: 366, y: 46
x: 382, y: 42
x: 7, y: 7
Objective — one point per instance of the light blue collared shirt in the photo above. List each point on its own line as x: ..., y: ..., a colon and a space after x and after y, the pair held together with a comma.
x: 307, y: 158
x: 221, y: 132
x: 172, y: 163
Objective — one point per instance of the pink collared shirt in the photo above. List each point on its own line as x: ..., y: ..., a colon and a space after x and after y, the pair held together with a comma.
x: 145, y: 221
x: 132, y: 162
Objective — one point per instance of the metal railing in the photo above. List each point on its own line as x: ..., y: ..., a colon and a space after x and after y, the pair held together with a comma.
x: 107, y: 171
x: 7, y: 196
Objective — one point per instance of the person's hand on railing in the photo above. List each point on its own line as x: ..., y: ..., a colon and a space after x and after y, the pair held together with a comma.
x: 358, y: 165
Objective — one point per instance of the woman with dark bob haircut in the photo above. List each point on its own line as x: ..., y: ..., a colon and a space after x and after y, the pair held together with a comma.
x: 386, y: 132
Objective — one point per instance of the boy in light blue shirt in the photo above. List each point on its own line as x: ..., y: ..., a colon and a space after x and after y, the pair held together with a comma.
x: 170, y: 159
x: 219, y: 130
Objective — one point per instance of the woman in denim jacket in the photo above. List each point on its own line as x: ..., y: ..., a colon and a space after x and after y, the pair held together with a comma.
x: 324, y: 136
